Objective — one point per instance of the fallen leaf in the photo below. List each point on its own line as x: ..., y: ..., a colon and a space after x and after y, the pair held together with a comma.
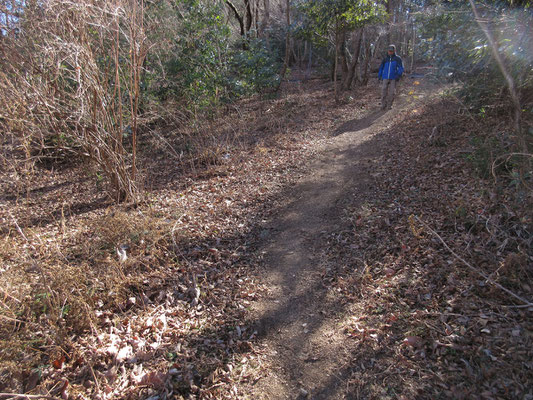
x: 58, y: 364
x: 64, y: 394
x: 153, y: 378
x: 32, y: 380
x: 389, y: 272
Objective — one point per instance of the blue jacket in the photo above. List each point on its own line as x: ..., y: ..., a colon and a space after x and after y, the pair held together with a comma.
x: 391, y: 68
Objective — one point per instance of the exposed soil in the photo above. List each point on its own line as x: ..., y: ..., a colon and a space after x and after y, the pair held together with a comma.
x: 299, y: 322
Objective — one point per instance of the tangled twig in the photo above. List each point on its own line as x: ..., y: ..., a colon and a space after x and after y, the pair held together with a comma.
x: 487, y: 278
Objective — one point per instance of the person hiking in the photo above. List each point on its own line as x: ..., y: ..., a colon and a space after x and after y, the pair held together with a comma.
x: 390, y: 72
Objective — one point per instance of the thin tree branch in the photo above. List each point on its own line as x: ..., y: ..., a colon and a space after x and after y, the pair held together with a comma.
x: 20, y: 231
x: 476, y: 270
x: 237, y: 15
x: 506, y: 74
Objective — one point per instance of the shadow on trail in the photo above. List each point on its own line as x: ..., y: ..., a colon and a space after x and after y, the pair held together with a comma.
x: 356, y: 125
x: 303, y: 308
x: 368, y: 365
x: 300, y: 363
x: 300, y: 317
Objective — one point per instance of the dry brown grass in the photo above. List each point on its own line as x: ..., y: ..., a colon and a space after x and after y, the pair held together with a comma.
x: 56, y: 283
x: 67, y: 78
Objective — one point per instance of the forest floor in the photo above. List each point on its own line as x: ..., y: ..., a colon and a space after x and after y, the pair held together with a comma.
x: 300, y: 260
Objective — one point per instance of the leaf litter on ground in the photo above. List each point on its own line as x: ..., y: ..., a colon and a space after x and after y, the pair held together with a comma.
x: 171, y: 319
x: 423, y: 324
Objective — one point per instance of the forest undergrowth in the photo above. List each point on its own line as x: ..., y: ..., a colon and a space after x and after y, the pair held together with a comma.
x: 150, y: 300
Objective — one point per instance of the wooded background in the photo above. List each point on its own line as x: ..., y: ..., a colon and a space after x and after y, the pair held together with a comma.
x: 85, y: 78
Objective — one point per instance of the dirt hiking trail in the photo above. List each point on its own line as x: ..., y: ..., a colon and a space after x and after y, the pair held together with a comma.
x: 298, y: 321
x: 313, y: 250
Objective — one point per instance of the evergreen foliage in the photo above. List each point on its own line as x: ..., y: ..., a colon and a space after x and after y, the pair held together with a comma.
x: 322, y: 17
x: 197, y: 60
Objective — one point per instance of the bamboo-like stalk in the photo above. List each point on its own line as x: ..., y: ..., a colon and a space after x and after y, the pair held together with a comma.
x: 64, y: 77
x: 118, y: 97
x: 133, y: 78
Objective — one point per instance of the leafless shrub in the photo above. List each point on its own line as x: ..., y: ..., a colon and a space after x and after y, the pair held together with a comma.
x: 69, y: 80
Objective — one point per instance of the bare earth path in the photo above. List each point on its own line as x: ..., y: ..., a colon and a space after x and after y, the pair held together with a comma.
x: 298, y: 321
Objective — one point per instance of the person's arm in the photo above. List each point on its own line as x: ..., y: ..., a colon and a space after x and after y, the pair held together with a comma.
x: 380, y: 73
x: 399, y: 70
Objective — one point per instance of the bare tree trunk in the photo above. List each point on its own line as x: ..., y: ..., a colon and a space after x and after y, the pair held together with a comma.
x: 287, y: 45
x: 405, y: 38
x: 341, y: 43
x: 304, y: 51
x: 256, y: 13
x: 347, y: 82
x: 369, y: 57
x: 248, y: 16
x: 309, y: 62
x: 336, y: 61
x: 367, y: 45
x: 390, y: 11
x: 413, y: 47
x: 265, y: 23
